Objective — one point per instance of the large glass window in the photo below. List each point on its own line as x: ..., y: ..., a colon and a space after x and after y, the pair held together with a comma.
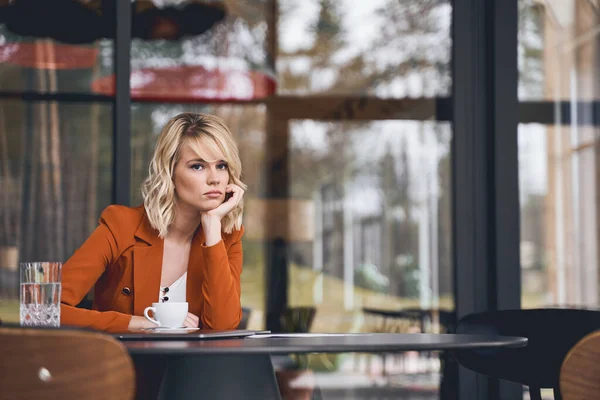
x: 55, y: 179
x: 336, y: 109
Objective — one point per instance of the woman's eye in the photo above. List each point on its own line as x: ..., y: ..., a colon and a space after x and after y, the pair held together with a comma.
x: 222, y: 166
x: 197, y: 167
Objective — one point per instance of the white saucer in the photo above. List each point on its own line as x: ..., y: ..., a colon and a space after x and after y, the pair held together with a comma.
x: 182, y: 329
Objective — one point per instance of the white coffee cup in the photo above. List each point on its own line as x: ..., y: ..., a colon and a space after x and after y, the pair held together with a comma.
x: 168, y: 314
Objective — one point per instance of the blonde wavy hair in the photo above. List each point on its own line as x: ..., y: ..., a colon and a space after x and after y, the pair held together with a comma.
x: 199, y: 131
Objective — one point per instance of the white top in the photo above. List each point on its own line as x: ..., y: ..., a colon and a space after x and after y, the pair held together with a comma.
x: 176, y: 291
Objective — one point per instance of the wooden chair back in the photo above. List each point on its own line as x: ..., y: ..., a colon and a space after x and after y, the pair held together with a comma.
x: 580, y: 371
x: 63, y: 364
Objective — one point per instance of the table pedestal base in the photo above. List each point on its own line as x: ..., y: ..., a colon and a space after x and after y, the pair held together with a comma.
x: 219, y: 377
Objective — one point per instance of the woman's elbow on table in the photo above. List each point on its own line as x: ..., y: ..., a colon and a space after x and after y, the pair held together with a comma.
x: 223, y: 322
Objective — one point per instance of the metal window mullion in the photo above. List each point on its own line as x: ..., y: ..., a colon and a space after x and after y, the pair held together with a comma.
x: 122, y: 105
x: 485, y: 169
x: 505, y: 192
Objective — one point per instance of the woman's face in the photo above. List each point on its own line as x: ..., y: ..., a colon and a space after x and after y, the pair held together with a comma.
x: 200, y: 183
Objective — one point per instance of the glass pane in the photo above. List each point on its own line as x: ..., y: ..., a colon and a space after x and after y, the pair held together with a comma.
x: 247, y: 123
x: 557, y: 49
x: 536, y: 241
x: 559, y: 162
x: 55, y: 179
x: 531, y: 49
x: 387, y: 48
x: 559, y: 237
x: 53, y: 56
x: 380, y: 209
x: 371, y: 229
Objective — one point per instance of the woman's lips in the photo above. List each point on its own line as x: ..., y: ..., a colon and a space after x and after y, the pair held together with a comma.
x: 213, y: 195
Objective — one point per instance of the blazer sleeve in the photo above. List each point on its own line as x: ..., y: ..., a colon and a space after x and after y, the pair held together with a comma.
x: 221, y: 287
x: 83, y: 269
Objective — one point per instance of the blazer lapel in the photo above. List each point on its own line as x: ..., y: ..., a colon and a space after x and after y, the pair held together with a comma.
x: 147, y: 267
x: 195, y: 276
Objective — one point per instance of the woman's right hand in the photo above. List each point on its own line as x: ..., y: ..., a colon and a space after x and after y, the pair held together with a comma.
x: 191, y: 321
x: 137, y: 322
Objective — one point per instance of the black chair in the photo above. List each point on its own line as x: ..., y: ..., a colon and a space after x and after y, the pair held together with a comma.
x: 288, y: 367
x: 551, y: 333
x: 297, y: 319
x: 245, y: 318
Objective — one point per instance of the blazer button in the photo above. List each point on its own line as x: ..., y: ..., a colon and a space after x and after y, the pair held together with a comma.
x: 126, y: 291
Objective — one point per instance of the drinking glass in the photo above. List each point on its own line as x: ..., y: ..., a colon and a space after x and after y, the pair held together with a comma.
x: 40, y: 293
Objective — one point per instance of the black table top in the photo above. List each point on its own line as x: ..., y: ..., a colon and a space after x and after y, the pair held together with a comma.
x: 324, y: 343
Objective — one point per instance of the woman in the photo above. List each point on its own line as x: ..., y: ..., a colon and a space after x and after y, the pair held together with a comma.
x: 183, y: 244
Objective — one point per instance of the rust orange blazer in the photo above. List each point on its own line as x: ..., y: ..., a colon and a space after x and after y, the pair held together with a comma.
x: 122, y: 260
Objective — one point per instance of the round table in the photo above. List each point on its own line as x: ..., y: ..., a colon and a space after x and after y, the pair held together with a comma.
x: 242, y: 368
x: 324, y: 343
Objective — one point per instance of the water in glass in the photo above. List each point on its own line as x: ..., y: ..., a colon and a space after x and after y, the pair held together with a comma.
x: 40, y: 294
x: 40, y: 304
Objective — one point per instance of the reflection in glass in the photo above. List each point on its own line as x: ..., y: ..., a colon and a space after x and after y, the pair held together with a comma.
x: 530, y: 49
x: 227, y: 62
x: 558, y: 47
x: 559, y: 261
x: 377, y: 194
x: 370, y: 233
x: 69, y: 68
x: 387, y: 48
x: 556, y: 51
x: 50, y: 56
x: 55, y: 179
x: 533, y: 192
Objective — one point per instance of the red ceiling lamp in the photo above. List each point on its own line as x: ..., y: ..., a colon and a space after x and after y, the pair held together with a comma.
x: 183, y: 84
x: 45, y: 54
x: 28, y: 51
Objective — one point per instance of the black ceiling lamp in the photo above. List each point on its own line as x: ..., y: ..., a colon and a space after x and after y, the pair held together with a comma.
x: 79, y: 22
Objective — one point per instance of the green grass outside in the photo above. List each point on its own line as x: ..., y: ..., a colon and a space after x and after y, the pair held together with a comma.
x: 9, y: 310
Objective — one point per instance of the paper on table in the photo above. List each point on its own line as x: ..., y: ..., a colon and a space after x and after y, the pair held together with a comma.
x: 304, y: 335
x: 167, y: 329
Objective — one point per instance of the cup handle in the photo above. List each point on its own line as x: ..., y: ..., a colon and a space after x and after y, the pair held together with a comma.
x: 153, y: 309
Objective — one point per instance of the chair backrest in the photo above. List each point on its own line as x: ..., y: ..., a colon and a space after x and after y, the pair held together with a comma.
x: 245, y: 318
x: 551, y: 333
x: 580, y: 371
x: 63, y: 364
x: 297, y: 319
